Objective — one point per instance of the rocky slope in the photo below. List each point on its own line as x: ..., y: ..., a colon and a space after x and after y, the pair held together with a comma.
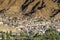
x: 31, y: 8
x: 15, y: 14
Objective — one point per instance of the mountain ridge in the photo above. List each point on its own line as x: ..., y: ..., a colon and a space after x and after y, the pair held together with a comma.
x: 34, y: 8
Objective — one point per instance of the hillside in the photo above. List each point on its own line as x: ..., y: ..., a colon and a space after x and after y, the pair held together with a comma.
x: 14, y: 13
x: 44, y: 8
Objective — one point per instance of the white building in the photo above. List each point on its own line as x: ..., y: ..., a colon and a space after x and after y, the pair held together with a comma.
x: 1, y: 22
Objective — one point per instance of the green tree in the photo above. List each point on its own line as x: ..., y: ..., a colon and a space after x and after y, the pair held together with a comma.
x: 52, y: 34
x: 3, y: 38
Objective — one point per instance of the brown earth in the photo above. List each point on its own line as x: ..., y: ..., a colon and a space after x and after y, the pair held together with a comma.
x: 13, y: 8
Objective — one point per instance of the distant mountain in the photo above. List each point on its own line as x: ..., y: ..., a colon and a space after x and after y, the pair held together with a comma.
x: 45, y: 9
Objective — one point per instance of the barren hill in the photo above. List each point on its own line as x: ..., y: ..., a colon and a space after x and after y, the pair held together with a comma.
x: 31, y: 8
x: 10, y: 9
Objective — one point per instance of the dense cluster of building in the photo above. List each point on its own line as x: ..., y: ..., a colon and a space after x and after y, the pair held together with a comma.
x: 29, y: 26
